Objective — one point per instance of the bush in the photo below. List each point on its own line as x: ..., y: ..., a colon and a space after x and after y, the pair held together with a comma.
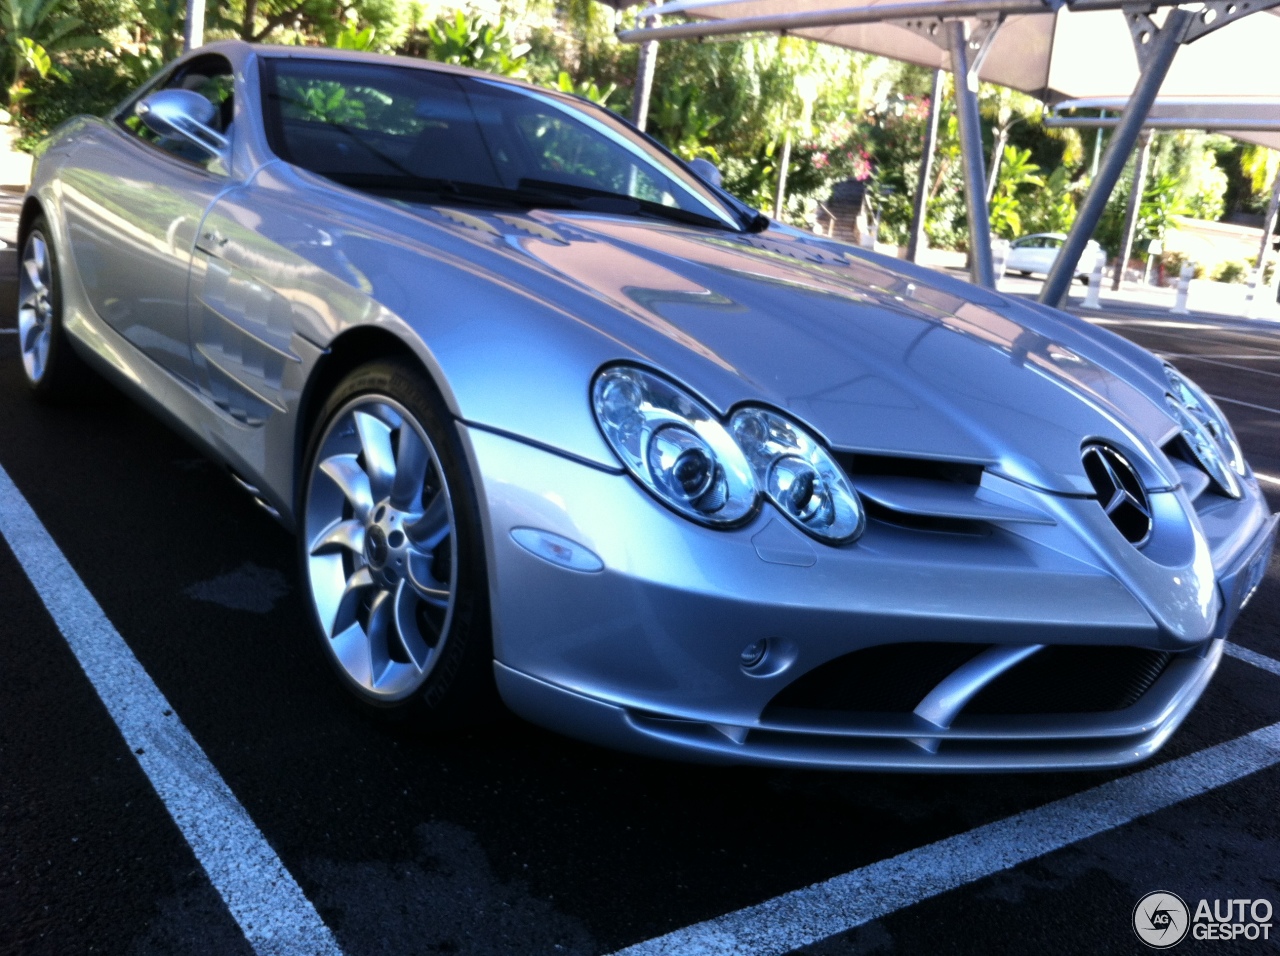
x: 1234, y: 270
x: 93, y: 88
x: 1173, y: 262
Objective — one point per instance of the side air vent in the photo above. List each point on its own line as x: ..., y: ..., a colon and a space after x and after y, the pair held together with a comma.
x: 1119, y: 491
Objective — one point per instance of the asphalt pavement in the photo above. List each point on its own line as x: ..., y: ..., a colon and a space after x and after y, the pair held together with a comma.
x: 512, y: 840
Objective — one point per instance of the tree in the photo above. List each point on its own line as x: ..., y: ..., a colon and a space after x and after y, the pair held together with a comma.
x: 1016, y: 173
x: 1005, y: 108
x: 34, y: 32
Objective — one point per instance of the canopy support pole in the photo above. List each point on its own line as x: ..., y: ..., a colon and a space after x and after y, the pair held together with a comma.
x: 1269, y: 224
x: 1156, y: 48
x: 965, y: 71
x: 193, y: 28
x: 645, y: 67
x: 917, y: 240
x: 1135, y: 206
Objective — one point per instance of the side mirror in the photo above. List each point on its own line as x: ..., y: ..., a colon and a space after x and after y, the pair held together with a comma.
x: 706, y: 170
x: 186, y: 115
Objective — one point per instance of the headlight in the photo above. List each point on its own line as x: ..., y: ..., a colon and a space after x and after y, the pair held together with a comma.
x: 798, y: 475
x: 1197, y: 401
x: 1203, y: 423
x: 674, y: 446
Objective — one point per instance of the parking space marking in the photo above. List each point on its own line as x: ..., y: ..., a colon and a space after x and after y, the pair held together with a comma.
x: 1236, y: 401
x: 273, y: 913
x: 1267, y: 478
x: 845, y: 902
x: 1253, y: 657
x: 8, y: 331
x: 1250, y: 357
x: 1230, y: 365
x: 1164, y: 324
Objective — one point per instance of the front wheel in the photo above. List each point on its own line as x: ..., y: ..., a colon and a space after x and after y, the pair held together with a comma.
x: 391, y: 549
x: 52, y: 368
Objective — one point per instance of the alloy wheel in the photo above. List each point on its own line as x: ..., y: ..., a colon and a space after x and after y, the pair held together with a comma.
x: 381, y: 547
x: 35, y: 306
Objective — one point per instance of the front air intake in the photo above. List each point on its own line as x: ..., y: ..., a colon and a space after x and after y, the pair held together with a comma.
x: 1119, y: 491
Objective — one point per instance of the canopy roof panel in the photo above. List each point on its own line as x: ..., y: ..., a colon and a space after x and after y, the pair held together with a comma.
x: 1053, y: 56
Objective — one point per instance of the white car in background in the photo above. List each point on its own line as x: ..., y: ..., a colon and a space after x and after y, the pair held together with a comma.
x: 1038, y: 252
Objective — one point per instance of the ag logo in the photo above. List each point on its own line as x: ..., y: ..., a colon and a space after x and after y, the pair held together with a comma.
x: 1161, y: 919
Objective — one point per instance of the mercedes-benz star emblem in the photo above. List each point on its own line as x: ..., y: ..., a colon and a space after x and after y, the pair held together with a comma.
x: 1119, y: 491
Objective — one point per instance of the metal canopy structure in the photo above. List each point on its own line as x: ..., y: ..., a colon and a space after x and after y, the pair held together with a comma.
x: 1254, y: 119
x: 1250, y: 119
x: 1053, y: 49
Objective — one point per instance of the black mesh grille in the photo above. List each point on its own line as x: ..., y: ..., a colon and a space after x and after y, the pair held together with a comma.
x: 1072, y: 680
x: 891, y: 678
x: 894, y: 678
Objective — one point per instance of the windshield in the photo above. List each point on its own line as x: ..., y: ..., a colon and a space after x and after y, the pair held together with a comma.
x: 410, y: 131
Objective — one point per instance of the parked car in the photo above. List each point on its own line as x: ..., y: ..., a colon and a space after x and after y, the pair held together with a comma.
x: 551, y: 414
x: 1036, y: 254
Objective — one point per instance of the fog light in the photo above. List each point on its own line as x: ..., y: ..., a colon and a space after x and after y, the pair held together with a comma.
x: 754, y: 653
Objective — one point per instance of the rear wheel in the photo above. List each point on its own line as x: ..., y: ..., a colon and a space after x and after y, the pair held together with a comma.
x: 53, y: 369
x: 391, y: 549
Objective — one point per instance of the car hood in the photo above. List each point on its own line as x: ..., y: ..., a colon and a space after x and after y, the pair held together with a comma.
x: 875, y: 355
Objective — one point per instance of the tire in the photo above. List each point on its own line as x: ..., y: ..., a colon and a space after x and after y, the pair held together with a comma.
x: 53, y: 370
x: 1084, y: 280
x: 391, y: 551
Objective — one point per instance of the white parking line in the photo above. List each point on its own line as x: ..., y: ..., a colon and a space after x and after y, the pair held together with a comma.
x: 1251, y: 357
x: 1236, y: 401
x: 1253, y: 657
x: 1231, y: 365
x: 274, y: 915
x: 842, y: 903
x: 1267, y: 478
x: 8, y: 331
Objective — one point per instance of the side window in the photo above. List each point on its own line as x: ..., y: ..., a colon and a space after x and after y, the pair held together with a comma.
x: 211, y: 77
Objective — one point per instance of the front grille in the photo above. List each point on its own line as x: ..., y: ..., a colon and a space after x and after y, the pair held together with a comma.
x: 887, y: 678
x: 894, y: 678
x: 1072, y: 680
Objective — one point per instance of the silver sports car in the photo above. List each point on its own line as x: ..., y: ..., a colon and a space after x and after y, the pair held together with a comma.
x: 552, y: 413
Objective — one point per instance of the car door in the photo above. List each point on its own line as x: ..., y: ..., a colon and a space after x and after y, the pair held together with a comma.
x: 1049, y: 254
x: 133, y: 203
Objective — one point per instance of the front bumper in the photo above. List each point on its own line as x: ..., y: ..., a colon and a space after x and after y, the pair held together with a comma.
x: 645, y: 654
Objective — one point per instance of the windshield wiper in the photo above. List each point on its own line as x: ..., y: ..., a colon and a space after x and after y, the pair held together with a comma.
x: 530, y: 194
x: 602, y: 200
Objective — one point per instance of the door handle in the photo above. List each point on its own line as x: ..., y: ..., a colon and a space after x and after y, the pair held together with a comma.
x: 213, y: 237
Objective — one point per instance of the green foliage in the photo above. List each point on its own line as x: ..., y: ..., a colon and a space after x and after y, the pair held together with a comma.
x: 1161, y: 201
x: 1018, y: 175
x: 1196, y: 183
x: 1173, y: 262
x: 1053, y: 208
x: 353, y: 37
x: 94, y: 88
x: 469, y: 40
x: 586, y: 88
x: 894, y: 138
x: 1234, y: 270
x: 34, y: 31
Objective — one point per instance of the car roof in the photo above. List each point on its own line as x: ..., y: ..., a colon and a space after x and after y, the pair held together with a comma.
x: 242, y: 49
